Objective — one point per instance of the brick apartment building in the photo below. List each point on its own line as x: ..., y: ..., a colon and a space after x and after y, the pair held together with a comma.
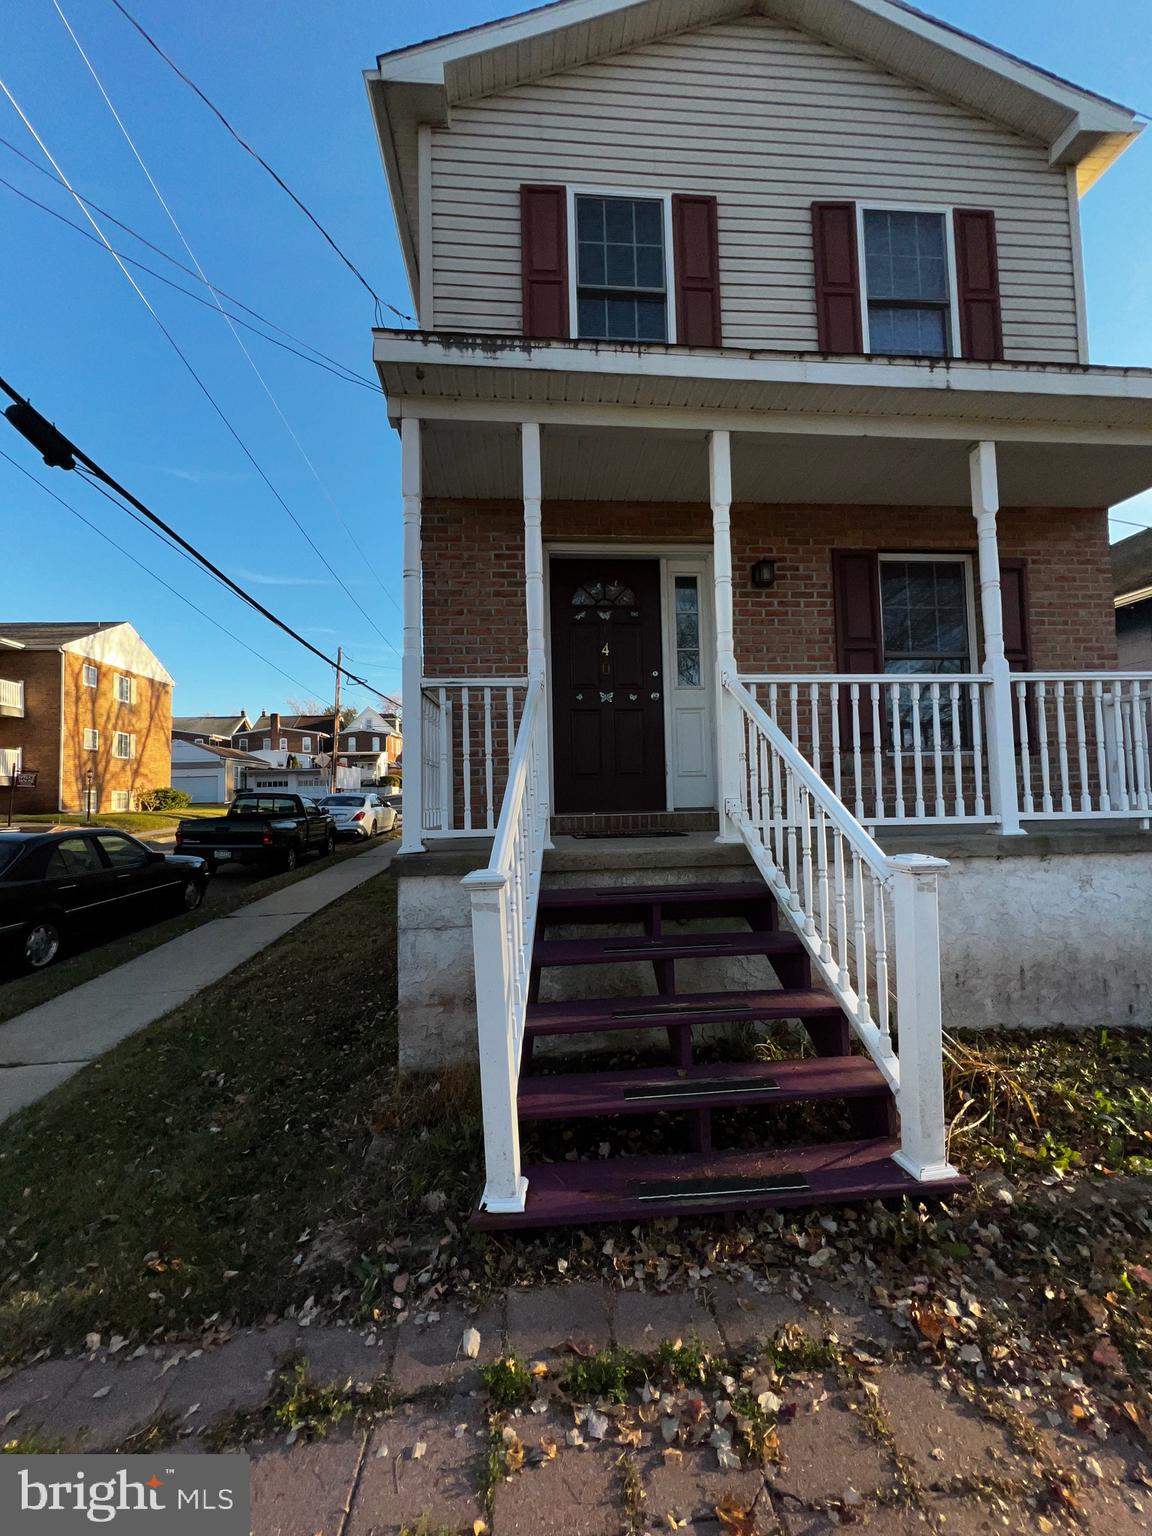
x: 88, y: 707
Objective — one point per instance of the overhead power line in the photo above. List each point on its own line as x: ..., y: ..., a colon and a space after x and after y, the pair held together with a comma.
x: 248, y: 358
x: 61, y: 453
x: 167, y: 255
x: 338, y: 369
x: 175, y: 591
x: 278, y: 179
x: 174, y: 344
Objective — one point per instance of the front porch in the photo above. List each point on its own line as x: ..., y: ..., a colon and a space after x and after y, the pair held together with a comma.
x: 924, y: 662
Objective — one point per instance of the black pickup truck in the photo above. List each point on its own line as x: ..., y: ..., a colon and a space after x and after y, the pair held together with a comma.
x: 260, y: 827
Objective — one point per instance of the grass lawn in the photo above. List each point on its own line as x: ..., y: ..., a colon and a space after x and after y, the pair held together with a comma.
x: 140, y: 822
x: 239, y: 1160
x: 19, y: 993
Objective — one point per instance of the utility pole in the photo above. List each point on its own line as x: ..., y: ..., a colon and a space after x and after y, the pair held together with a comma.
x: 336, y: 720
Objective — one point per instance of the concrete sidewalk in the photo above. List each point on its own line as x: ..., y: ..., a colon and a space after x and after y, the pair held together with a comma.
x: 46, y: 1045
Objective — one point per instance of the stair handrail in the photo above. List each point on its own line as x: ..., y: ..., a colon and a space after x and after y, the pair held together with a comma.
x: 869, y: 920
x: 504, y: 896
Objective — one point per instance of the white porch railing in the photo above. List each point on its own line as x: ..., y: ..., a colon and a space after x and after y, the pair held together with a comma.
x: 892, y: 748
x: 11, y: 697
x: 1083, y: 743
x: 469, y: 731
x: 869, y: 921
x: 504, y: 899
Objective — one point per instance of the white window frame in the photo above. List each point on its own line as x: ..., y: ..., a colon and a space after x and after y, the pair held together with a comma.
x: 91, y: 739
x: 119, y: 795
x: 283, y: 744
x: 624, y: 194
x: 242, y: 744
x: 123, y: 678
x: 91, y: 675
x: 267, y: 744
x: 305, y: 743
x: 941, y: 557
x: 90, y: 800
x: 129, y: 737
x: 947, y: 211
x: 375, y: 743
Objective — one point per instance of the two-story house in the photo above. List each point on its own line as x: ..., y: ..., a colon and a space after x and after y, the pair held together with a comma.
x: 89, y: 711
x: 279, y: 739
x: 755, y: 482
x: 212, y: 730
x: 371, y: 744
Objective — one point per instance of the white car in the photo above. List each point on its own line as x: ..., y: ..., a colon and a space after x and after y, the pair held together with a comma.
x: 359, y: 814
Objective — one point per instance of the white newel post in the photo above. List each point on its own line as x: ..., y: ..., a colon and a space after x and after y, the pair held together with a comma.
x: 412, y: 669
x: 505, y: 1187
x: 916, y: 921
x: 728, y: 711
x: 1000, y: 732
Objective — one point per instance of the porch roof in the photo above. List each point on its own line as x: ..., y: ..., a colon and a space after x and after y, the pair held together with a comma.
x: 892, y: 430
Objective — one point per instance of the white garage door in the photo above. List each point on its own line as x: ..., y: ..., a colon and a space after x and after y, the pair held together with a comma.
x: 205, y: 785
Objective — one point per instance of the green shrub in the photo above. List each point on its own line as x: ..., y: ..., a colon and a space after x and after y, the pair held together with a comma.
x: 167, y: 799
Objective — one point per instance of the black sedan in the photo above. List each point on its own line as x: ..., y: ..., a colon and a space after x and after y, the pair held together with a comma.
x: 53, y: 884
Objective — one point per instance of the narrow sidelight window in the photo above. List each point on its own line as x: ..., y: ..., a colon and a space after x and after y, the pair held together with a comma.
x: 621, y: 269
x: 687, y: 633
x: 908, y: 284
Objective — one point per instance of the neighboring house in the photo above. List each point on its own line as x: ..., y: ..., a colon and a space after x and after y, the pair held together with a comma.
x: 755, y: 481
x: 211, y: 772
x: 212, y: 728
x: 371, y: 744
x: 275, y: 738
x: 1132, y: 582
x: 87, y: 707
x: 313, y: 781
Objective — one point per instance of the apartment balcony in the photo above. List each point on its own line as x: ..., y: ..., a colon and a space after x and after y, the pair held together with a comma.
x: 11, y: 699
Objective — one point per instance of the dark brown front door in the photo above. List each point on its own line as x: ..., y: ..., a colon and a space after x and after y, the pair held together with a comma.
x: 608, y: 686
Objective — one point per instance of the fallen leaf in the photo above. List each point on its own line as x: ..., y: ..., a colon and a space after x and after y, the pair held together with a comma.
x: 1107, y: 1354
x: 734, y: 1517
x: 102, y: 1391
x: 479, y: 1528
x: 419, y: 1449
x: 470, y: 1343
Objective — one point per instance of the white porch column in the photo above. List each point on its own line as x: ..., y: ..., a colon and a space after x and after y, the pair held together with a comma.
x: 1001, y: 737
x: 412, y: 669
x: 533, y: 546
x: 728, y: 714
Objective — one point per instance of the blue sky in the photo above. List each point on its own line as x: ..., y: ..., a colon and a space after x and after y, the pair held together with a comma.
x: 80, y: 343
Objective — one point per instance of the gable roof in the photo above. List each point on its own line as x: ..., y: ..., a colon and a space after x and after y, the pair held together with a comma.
x: 189, y: 752
x: 313, y: 723
x: 1132, y: 568
x: 50, y: 637
x: 210, y: 725
x: 420, y: 83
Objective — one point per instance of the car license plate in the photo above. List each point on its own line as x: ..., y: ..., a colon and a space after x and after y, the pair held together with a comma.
x: 222, y: 853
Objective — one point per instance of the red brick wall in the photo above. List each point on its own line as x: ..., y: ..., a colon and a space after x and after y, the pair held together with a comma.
x: 38, y: 733
x: 474, y: 574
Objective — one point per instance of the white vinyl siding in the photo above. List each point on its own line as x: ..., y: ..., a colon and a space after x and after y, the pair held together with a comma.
x: 768, y: 120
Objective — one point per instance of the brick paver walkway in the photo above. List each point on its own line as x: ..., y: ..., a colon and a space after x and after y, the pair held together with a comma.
x: 883, y: 1441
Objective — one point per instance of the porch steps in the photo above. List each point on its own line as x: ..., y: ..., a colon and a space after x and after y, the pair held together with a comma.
x: 698, y: 1184
x: 650, y: 1090
x: 594, y: 1015
x: 743, y: 922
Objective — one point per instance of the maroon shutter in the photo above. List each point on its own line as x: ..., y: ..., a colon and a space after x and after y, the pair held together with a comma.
x: 697, y: 256
x: 859, y: 631
x: 837, y: 277
x: 1014, y: 605
x: 544, y: 262
x: 978, y: 285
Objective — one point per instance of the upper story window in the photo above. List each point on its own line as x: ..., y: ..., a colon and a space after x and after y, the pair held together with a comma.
x: 305, y: 743
x: 621, y: 268
x: 283, y: 743
x: 91, y: 675
x: 242, y: 744
x: 125, y: 689
x: 907, y: 283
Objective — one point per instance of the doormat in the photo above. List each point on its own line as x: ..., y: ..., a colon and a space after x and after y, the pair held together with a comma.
x: 614, y: 835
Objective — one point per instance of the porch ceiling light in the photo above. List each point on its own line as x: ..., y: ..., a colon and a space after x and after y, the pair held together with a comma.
x: 764, y: 573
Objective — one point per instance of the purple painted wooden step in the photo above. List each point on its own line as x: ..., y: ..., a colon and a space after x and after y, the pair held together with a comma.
x: 589, y: 1015
x: 676, y: 946
x: 563, y: 1096
x: 631, y: 1188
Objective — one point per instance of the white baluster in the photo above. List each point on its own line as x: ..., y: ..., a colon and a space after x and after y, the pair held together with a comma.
x: 880, y: 965
x: 836, y: 741
x: 822, y: 890
x: 466, y: 756
x: 1042, y: 751
x: 1139, y: 746
x: 877, y: 752
x: 814, y: 724
x: 857, y: 755
x: 1082, y: 749
x: 804, y: 806
x: 976, y: 705
x: 917, y: 750
x: 843, y: 981
x: 1101, y: 745
x: 489, y: 798
x: 860, y: 940
x: 897, y: 748
x: 937, y: 749
x: 1062, y: 747
x: 957, y: 758
x: 1025, y: 755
